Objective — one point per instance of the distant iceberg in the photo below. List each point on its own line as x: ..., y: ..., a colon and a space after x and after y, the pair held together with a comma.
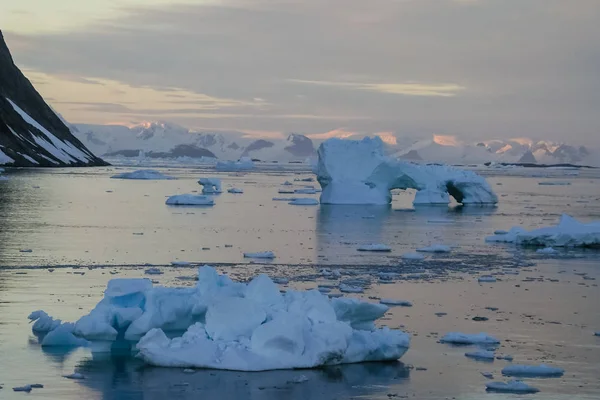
x: 568, y: 233
x: 189, y: 200
x: 358, y: 172
x: 244, y: 164
x: 146, y: 174
x: 238, y: 326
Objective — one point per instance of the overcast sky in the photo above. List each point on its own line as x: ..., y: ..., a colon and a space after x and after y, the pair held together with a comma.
x: 471, y: 68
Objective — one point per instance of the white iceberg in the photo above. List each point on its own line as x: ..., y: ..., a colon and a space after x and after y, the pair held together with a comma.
x: 235, y: 190
x: 189, y: 200
x: 210, y: 185
x: 481, y: 355
x: 243, y: 164
x: 435, y: 248
x: 260, y: 254
x: 237, y: 326
x: 466, y: 338
x: 358, y: 172
x: 510, y: 387
x: 568, y: 233
x: 377, y: 247
x: 304, y: 201
x: 541, y: 370
x: 145, y: 174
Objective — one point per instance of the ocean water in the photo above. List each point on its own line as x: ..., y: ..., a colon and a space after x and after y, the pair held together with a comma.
x: 88, y: 228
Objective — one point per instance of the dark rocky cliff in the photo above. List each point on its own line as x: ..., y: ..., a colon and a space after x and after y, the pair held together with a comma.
x: 31, y: 134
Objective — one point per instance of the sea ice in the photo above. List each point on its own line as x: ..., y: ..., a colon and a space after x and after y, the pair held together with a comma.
x: 378, y: 247
x: 554, y: 183
x: 466, y: 338
x: 358, y: 172
x: 486, y: 279
x: 481, y: 355
x: 145, y: 174
x: 190, y: 200
x: 260, y: 254
x: 210, y: 185
x: 435, y: 248
x: 510, y: 387
x: 243, y: 164
x: 344, y: 288
x: 302, y: 201
x: 235, y: 190
x: 413, y: 256
x: 541, y: 370
x: 568, y: 233
x: 394, y: 302
x: 153, y: 271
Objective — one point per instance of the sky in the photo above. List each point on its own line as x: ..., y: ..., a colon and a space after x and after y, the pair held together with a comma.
x: 477, y: 69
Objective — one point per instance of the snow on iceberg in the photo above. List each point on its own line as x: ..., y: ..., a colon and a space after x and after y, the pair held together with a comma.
x: 237, y: 326
x: 510, y: 387
x: 541, y: 370
x: 358, y: 172
x: 568, y: 233
x: 243, y: 164
x: 210, y: 185
x: 466, y: 338
x: 189, y: 200
x: 145, y: 174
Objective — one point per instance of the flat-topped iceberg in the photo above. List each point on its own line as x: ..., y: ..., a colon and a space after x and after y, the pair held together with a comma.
x: 510, y: 387
x: 144, y: 174
x: 237, y: 326
x: 568, y: 233
x: 210, y: 185
x: 358, y: 172
x: 189, y: 200
x: 243, y: 164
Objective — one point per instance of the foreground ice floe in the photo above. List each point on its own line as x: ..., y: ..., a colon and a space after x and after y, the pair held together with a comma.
x: 238, y: 326
x: 210, y: 185
x: 145, y: 174
x: 511, y: 387
x: 358, y: 172
x: 466, y: 338
x: 541, y: 370
x: 568, y: 233
x: 189, y: 200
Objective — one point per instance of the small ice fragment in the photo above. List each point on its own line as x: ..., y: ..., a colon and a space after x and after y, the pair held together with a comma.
x: 413, y: 256
x: 488, y: 375
x: 510, y: 387
x: 26, y: 388
x: 378, y: 247
x: 37, y: 386
x: 281, y: 281
x: 435, y: 248
x: 301, y: 201
x: 74, y: 375
x: 466, y: 338
x: 189, y: 200
x: 287, y: 183
x: 180, y: 263
x: 285, y: 191
x: 235, y: 190
x: 350, y: 289
x: 481, y: 355
x: 546, y: 250
x: 506, y: 357
x: 305, y: 191
x: 500, y: 232
x: 486, y: 279
x: 393, y: 302
x: 260, y: 254
x: 189, y: 371
x: 153, y: 271
x: 26, y: 251
x: 541, y: 370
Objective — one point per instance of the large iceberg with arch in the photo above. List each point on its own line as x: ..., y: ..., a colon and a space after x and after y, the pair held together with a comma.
x: 230, y: 325
x: 358, y: 172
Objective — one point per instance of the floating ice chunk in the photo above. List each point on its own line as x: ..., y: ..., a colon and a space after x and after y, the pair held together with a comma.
x: 43, y: 322
x: 547, y: 250
x: 144, y: 174
x: 488, y: 375
x: 74, y: 375
x: 506, y: 357
x: 375, y: 247
x: 288, y: 199
x: 300, y: 201
x: 510, y: 387
x: 180, y: 263
x: 500, y: 232
x: 210, y: 185
x: 487, y: 279
x: 481, y: 355
x: 285, y: 191
x: 344, y: 288
x: 548, y: 183
x: 435, y: 248
x: 358, y: 172
x: 189, y: 200
x: 260, y: 254
x: 466, y: 338
x: 541, y: 370
x: 243, y: 164
x: 393, y: 302
x: 413, y: 256
x: 62, y: 336
x: 153, y: 271
x: 300, y: 379
x: 26, y: 388
x: 568, y: 233
x: 309, y: 179
x: 305, y: 191
x: 235, y: 191
x: 25, y: 251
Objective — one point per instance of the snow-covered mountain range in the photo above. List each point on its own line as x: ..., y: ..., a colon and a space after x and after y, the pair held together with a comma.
x: 168, y: 140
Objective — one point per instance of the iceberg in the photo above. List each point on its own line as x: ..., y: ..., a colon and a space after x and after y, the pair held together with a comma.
x: 210, y: 185
x: 237, y: 326
x: 568, y: 233
x: 510, y: 387
x: 189, y: 200
x: 358, y: 172
x: 243, y: 164
x: 541, y: 370
x: 144, y: 174
x: 466, y: 338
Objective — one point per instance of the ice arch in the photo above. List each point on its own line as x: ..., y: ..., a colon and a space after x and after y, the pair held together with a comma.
x: 358, y: 172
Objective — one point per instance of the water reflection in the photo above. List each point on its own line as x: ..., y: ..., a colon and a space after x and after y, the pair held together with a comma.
x: 119, y: 378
